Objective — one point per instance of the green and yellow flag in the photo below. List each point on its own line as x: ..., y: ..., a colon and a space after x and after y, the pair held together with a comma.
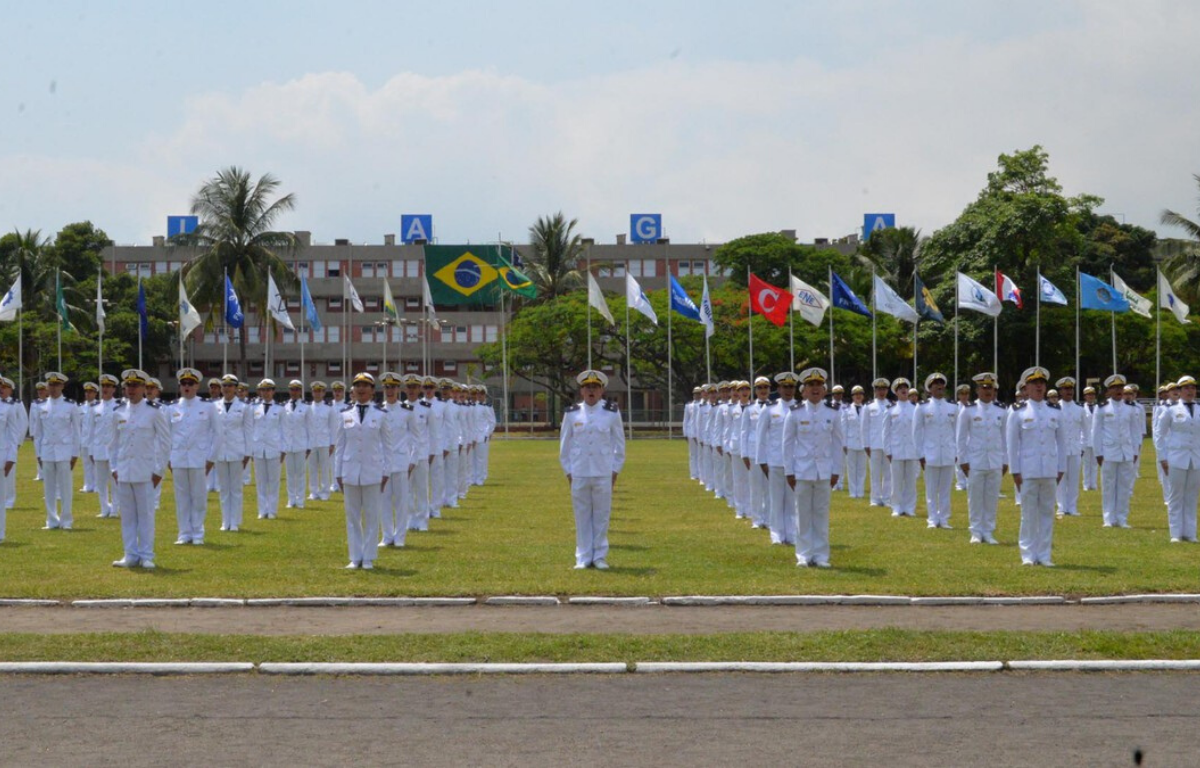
x: 469, y: 274
x: 60, y: 303
x: 389, y: 303
x: 514, y: 280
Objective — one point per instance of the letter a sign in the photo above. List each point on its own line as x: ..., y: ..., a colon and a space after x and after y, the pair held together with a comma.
x: 877, y: 221
x: 415, y: 227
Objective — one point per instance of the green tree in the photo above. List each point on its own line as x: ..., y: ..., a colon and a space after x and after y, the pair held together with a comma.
x: 893, y: 254
x: 556, y: 250
x: 1183, y: 266
x: 78, y: 247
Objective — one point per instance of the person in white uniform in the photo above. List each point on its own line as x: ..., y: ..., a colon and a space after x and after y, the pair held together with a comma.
x: 441, y: 428
x: 266, y: 449
x: 1168, y: 395
x: 592, y: 453
x: 323, y: 425
x: 86, y: 414
x: 337, y: 399
x: 195, y: 445
x: 243, y: 393
x: 104, y: 423
x: 812, y: 449
x: 759, y: 496
x: 1072, y: 415
x: 8, y: 498
x: 1178, y: 432
x: 933, y: 435
x: 12, y: 433
x: 874, y: 415
x: 398, y: 464
x: 214, y: 397
x: 424, y: 445
x: 296, y: 443
x: 853, y: 445
x: 962, y: 397
x: 981, y: 445
x: 1088, y: 462
x: 1116, y: 438
x: 233, y: 454
x: 139, y: 450
x: 360, y: 465
x: 901, y: 451
x: 56, y: 432
x: 689, y: 434
x: 771, y: 461
x: 1037, y: 455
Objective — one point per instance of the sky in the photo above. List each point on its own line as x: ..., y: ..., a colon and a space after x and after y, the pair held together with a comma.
x: 728, y: 119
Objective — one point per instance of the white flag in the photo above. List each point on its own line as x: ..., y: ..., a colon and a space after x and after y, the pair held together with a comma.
x: 596, y: 299
x: 636, y: 298
x: 189, y: 318
x: 706, y: 313
x: 275, y: 303
x: 808, y: 301
x: 353, y: 294
x: 11, y: 301
x: 427, y: 297
x: 972, y: 295
x: 889, y: 302
x: 1137, y: 304
x: 1168, y: 300
x: 100, y: 314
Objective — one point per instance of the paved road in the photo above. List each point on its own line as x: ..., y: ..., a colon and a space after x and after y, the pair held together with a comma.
x: 600, y: 619
x: 996, y: 720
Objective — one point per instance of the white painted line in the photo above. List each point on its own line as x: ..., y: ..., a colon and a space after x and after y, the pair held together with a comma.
x: 1128, y: 665
x: 439, y: 669
x: 7, y: 603
x: 123, y: 668
x: 609, y: 601
x: 160, y: 603
x: 102, y: 603
x: 875, y: 600
x: 414, y: 602
x: 522, y: 600
x: 1122, y: 599
x: 814, y: 666
x: 1034, y: 600
x: 217, y: 602
x: 947, y: 601
x: 707, y: 600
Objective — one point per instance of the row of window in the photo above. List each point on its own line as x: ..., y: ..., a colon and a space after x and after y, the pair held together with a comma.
x: 333, y: 368
x: 455, y: 334
x: 411, y: 268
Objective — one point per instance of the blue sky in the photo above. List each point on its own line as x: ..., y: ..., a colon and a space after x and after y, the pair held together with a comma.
x: 726, y: 119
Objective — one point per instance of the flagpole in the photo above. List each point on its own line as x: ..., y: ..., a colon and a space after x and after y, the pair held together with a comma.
x: 707, y: 355
x: 503, y: 359
x: 21, y: 351
x: 1158, y: 333
x: 628, y: 359
x: 956, y: 314
x: 303, y: 317
x: 874, y: 367
x: 791, y: 332
x: 140, y: 366
x: 996, y: 322
x: 1113, y: 318
x: 831, y: 358
x: 225, y: 324
x: 1078, y: 294
x: 1037, y: 344
x: 670, y: 377
x: 750, y: 323
x: 181, y: 322
x: 916, y: 323
x: 588, y: 266
x: 58, y: 286
x: 100, y: 335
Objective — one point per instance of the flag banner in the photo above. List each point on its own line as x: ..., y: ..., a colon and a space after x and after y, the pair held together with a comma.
x: 512, y: 278
x: 427, y: 299
x: 1167, y: 299
x: 11, y: 303
x: 189, y: 318
x: 1094, y: 293
x: 972, y: 295
x: 844, y: 298
x: 100, y: 313
x: 60, y: 303
x: 276, y: 305
x: 308, y: 307
x: 927, y: 308
x: 889, y: 302
x: 233, y: 308
x: 681, y: 302
x: 389, y: 303
x: 1007, y: 290
x: 635, y: 297
x: 808, y: 301
x: 461, y: 274
x: 596, y: 299
x: 355, y: 301
x: 770, y: 302
x: 1049, y: 292
x: 706, y: 312
x: 143, y: 321
x: 1138, y: 304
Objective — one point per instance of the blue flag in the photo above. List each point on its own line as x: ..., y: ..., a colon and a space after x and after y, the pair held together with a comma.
x: 143, y: 323
x: 844, y: 298
x: 233, y: 308
x: 1097, y: 294
x: 306, y: 305
x: 681, y: 302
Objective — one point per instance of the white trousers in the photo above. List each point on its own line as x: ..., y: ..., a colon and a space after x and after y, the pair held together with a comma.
x: 591, y: 498
x: 56, y: 482
x: 137, y: 519
x: 1037, y: 519
x: 4, y: 499
x: 760, y: 497
x: 693, y: 461
x: 191, y: 502
x: 939, y: 481
x: 1116, y: 483
x: 449, y: 497
x: 812, y: 521
x: 418, y: 519
x: 89, y: 473
x: 247, y: 473
x: 396, y: 502
x: 881, y: 478
x: 1067, y: 493
x: 719, y: 476
x: 1164, y: 480
x: 960, y: 480
x: 904, y: 486
x: 1088, y: 468
x: 10, y: 489
x: 706, y: 454
x: 363, y: 504
x: 437, y: 484
x: 983, y: 497
x: 1181, y: 506
x: 294, y: 462
x: 741, y: 487
x: 318, y: 468
x: 327, y: 480
x: 781, y: 515
x: 266, y: 481
x: 229, y: 480
x: 104, y: 487
x: 211, y: 481
x: 856, y: 472
x: 482, y: 450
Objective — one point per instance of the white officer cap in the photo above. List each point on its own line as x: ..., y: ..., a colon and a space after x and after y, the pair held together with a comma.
x: 739, y: 385
x: 856, y: 389
x: 1129, y: 389
x: 214, y: 382
x: 188, y: 374
x: 339, y: 385
x: 412, y: 380
x: 295, y: 384
x: 838, y: 388
x: 5, y: 381
x: 363, y: 378
x: 962, y: 388
x: 985, y: 379
x: 1064, y: 382
x: 881, y: 383
x: 1089, y: 390
x: 54, y: 377
x: 318, y: 386
x: 90, y: 386
x: 901, y: 382
x: 445, y: 383
x: 134, y: 376
x: 1116, y: 380
x: 266, y: 384
x: 762, y: 381
x: 1036, y: 373
x: 723, y: 385
x: 1052, y: 394
x: 935, y: 376
x: 787, y: 378
x: 40, y: 385
x: 595, y: 377
x: 1186, y: 381
x: 813, y: 376
x: 229, y: 378
x: 696, y: 390
x: 390, y: 379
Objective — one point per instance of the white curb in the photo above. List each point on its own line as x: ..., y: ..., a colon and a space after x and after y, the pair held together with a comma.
x: 102, y: 603
x: 807, y: 666
x: 1129, y: 665
x: 439, y: 669
x: 123, y: 668
x: 1042, y: 600
x: 342, y: 602
x: 160, y: 603
x: 522, y: 600
x: 217, y: 602
x: 608, y: 601
x: 708, y: 600
x: 947, y: 601
x: 1122, y: 599
x: 875, y: 600
x: 7, y: 603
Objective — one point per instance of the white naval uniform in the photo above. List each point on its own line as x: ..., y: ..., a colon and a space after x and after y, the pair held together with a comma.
x: 856, y: 453
x: 296, y: 441
x: 733, y: 447
x: 11, y: 435
x: 483, y: 441
x: 451, y: 441
x: 689, y: 418
x: 424, y: 444
x: 770, y: 459
x: 873, y: 417
x: 360, y: 462
x: 237, y: 429
x: 439, y: 427
x: 266, y: 448
x: 1037, y: 440
x: 1088, y: 462
x: 397, y: 501
x: 323, y: 424
x: 902, y: 456
x: 56, y: 432
x: 933, y: 436
x: 1067, y: 493
x: 103, y: 426
x: 982, y: 446
x: 1160, y: 451
x: 1116, y: 437
x: 591, y: 452
x: 704, y: 457
x: 812, y: 449
x: 140, y: 446
x: 86, y: 416
x: 1178, y: 430
x: 9, y: 498
x: 759, y: 496
x: 195, y: 443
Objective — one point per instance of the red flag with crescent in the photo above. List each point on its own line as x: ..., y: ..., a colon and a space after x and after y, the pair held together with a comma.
x: 769, y: 301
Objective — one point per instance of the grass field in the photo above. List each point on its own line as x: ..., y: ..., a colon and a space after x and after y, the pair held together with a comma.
x: 516, y: 536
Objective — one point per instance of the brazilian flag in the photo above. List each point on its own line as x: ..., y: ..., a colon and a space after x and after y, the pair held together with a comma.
x: 514, y: 280
x: 471, y: 274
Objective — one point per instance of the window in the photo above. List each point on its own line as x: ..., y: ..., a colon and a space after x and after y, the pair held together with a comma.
x: 334, y: 367
x: 406, y: 268
x: 372, y: 367
x: 699, y: 267
x: 460, y: 334
x: 139, y: 268
x: 412, y: 367
x: 483, y: 333
x: 368, y: 269
x: 381, y: 269
x: 644, y: 268
x: 372, y: 302
x: 334, y: 269
x: 412, y: 304
x: 318, y: 269
x: 256, y: 366
x: 293, y: 303
x: 254, y: 337
x: 449, y: 366
x: 334, y: 304
x: 412, y: 333
x: 333, y: 333
x: 289, y: 336
x: 172, y: 266
x: 302, y: 268
x: 292, y: 366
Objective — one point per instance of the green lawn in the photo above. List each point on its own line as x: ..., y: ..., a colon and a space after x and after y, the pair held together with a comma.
x: 516, y: 536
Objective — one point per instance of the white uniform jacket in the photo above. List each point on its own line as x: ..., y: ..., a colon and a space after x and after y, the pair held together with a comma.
x: 933, y: 432
x: 296, y: 417
x: 1116, y: 435
x: 141, y: 442
x: 56, y: 429
x: 852, y: 422
x: 401, y: 420
x: 1089, y: 421
x: 237, y: 426
x: 592, y: 442
x: 898, y: 431
x: 980, y: 436
x: 323, y: 424
x: 11, y: 431
x: 749, y: 428
x: 1177, y: 430
x: 812, y: 441
x: 768, y: 447
x: 363, y: 445
x: 874, y: 415
x: 103, y: 427
x: 195, y: 433
x: 1037, y: 441
x: 1072, y: 414
x: 266, y: 438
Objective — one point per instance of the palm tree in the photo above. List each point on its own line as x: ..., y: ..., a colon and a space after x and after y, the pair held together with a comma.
x: 557, y: 250
x: 893, y: 254
x: 1184, y: 265
x: 236, y: 216
x: 33, y: 258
